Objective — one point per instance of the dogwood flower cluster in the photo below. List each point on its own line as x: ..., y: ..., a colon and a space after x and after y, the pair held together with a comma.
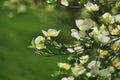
x: 94, y: 52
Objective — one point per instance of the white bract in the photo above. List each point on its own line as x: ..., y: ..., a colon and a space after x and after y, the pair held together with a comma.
x: 104, y: 73
x: 64, y: 66
x: 70, y: 50
x: 115, y: 31
x: 78, y: 70
x: 91, y: 7
x: 76, y: 34
x: 68, y: 78
x: 84, y: 59
x: 117, y: 65
x: 118, y: 27
x: 88, y: 74
x: 116, y: 45
x: 95, y: 30
x: 39, y: 42
x: 76, y: 48
x: 85, y: 24
x: 103, y: 53
x: 108, y: 18
x: 101, y: 38
x: 117, y: 18
x: 93, y: 63
x: 103, y: 30
x: 95, y: 70
x: 51, y: 33
x: 64, y: 2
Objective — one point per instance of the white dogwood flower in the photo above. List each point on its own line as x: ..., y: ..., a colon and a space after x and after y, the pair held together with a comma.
x: 95, y: 30
x: 64, y: 2
x: 68, y: 78
x: 108, y: 18
x: 51, y: 33
x: 76, y: 34
x: 115, y: 31
x: 116, y: 45
x: 88, y: 74
x: 70, y: 50
x: 85, y: 24
x: 103, y: 38
x: 91, y: 7
x: 117, y: 18
x: 93, y: 63
x: 84, y: 59
x: 103, y: 30
x: 39, y: 42
x: 117, y: 65
x: 64, y: 66
x: 96, y: 72
x: 78, y: 70
x: 118, y: 27
x: 103, y: 53
x: 104, y: 73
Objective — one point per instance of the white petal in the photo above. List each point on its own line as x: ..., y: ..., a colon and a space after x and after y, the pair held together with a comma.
x: 78, y: 70
x: 39, y: 39
x: 117, y: 18
x: 75, y: 34
x: 104, y: 72
x: 51, y: 33
x: 102, y: 38
x: 84, y: 24
x: 40, y: 46
x: 70, y: 50
x: 91, y: 7
x: 64, y: 2
x: 44, y: 33
x: 107, y: 17
x: 93, y: 63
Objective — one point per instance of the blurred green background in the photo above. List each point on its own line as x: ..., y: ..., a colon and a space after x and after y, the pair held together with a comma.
x: 17, y: 62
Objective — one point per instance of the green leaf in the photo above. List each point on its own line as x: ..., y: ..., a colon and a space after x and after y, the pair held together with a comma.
x: 71, y: 59
x: 32, y: 44
x: 57, y: 73
x: 67, y: 45
x: 57, y: 44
